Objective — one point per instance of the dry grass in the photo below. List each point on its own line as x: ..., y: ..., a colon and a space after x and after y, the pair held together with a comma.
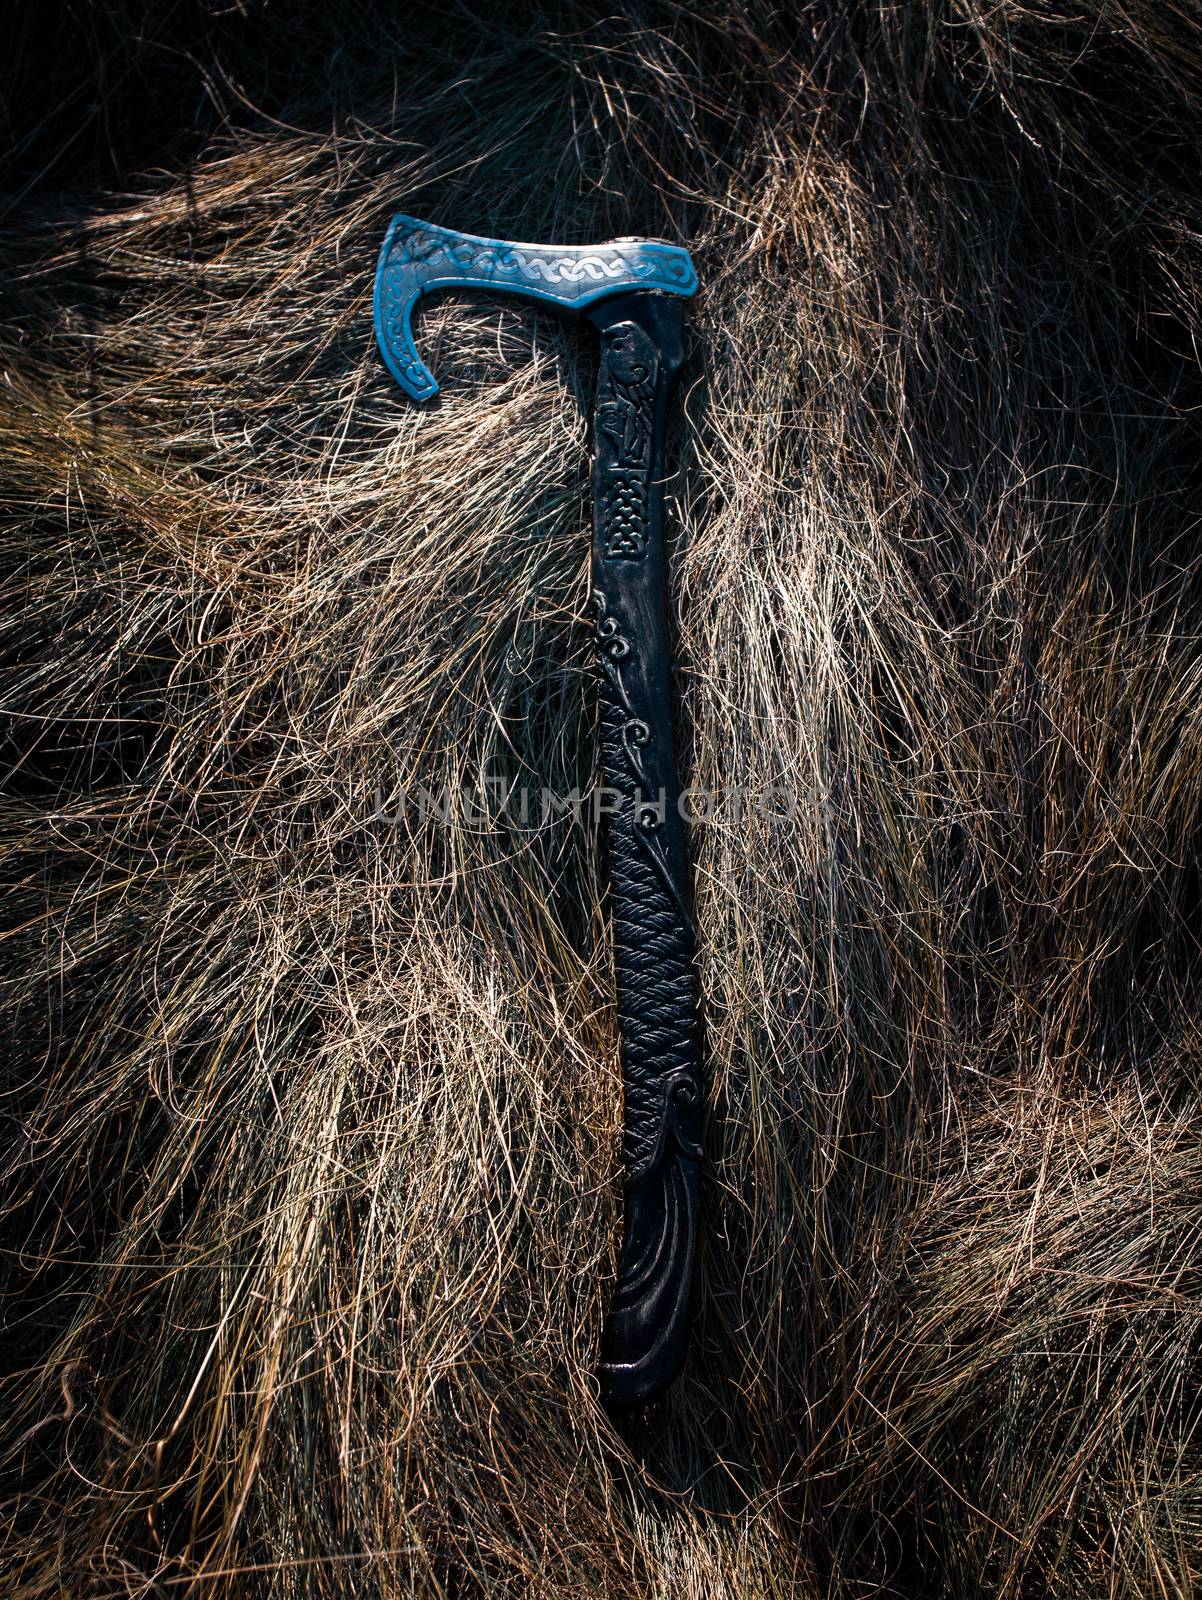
x: 311, y: 1113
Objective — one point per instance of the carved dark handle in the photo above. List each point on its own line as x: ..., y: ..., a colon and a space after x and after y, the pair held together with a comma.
x: 647, y: 1329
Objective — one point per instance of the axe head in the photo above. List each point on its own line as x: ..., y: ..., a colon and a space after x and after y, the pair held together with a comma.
x: 417, y: 258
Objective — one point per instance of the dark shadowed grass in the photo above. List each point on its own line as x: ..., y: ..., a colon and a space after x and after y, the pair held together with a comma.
x: 311, y: 1101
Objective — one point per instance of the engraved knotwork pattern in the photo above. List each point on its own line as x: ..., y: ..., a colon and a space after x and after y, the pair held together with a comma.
x: 626, y: 517
x: 540, y: 264
x: 625, y: 420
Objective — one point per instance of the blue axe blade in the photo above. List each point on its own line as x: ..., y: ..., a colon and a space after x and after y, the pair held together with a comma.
x: 418, y: 258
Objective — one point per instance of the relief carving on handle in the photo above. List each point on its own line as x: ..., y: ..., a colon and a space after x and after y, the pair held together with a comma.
x: 625, y: 420
x: 613, y: 649
x: 653, y: 937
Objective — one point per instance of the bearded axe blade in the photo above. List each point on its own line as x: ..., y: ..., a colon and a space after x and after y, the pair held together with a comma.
x: 419, y: 259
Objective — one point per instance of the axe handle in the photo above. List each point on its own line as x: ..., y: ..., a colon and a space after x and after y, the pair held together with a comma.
x: 647, y: 1329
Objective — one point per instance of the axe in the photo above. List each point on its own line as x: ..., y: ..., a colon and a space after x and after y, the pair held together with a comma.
x: 631, y: 290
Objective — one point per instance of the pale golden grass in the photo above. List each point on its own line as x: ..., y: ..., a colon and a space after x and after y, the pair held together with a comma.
x: 312, y: 1104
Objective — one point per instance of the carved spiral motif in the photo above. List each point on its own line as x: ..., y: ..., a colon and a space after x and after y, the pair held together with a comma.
x: 680, y: 1099
x: 610, y: 640
x: 613, y: 649
x: 636, y: 734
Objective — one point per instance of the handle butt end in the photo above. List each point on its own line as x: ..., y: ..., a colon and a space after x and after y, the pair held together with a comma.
x: 647, y: 1332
